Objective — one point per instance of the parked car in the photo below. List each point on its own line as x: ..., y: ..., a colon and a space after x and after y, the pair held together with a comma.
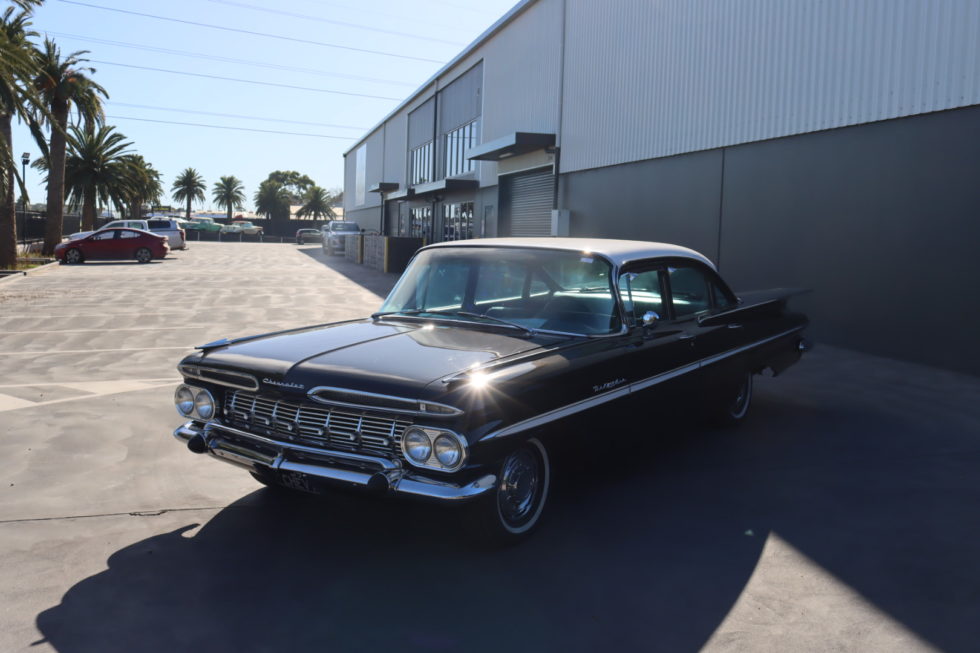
x: 484, y: 358
x: 334, y: 235
x: 248, y: 228
x: 114, y: 244
x: 204, y: 224
x: 115, y: 224
x: 170, y: 228
x: 304, y: 236
x: 232, y: 228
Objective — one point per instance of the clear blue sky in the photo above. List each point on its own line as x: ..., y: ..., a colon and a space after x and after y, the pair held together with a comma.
x: 427, y: 29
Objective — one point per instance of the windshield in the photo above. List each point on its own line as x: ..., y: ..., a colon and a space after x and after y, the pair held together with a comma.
x: 344, y: 226
x: 529, y: 289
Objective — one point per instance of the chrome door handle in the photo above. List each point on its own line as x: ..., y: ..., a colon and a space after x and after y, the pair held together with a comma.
x: 734, y: 326
x: 686, y: 336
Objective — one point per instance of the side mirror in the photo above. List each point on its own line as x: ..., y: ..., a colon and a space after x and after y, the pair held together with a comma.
x: 649, y: 318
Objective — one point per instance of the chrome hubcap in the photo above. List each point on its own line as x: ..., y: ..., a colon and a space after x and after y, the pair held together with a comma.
x: 519, y: 485
x: 742, y: 398
x: 73, y: 256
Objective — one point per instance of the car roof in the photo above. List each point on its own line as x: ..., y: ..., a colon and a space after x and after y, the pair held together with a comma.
x: 620, y: 252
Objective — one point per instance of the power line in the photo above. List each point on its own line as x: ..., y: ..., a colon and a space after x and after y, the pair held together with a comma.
x: 245, y: 81
x: 240, y: 129
x: 232, y: 115
x: 244, y: 62
x: 252, y: 33
x: 291, y: 14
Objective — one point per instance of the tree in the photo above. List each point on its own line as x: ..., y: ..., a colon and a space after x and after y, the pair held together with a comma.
x: 63, y: 83
x: 229, y: 193
x: 144, y: 184
x: 98, y: 170
x: 188, y: 186
x: 316, y: 204
x: 17, y: 98
x: 272, y: 200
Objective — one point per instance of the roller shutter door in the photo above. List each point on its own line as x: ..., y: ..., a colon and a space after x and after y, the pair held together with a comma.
x: 531, y: 196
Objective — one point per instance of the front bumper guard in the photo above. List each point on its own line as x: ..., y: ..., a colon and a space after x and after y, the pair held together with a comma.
x: 260, y: 454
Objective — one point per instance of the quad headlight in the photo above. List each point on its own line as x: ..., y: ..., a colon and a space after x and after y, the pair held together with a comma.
x: 195, y: 402
x: 434, y: 448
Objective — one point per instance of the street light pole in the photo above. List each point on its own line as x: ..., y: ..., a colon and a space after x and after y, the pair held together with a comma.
x: 25, y: 158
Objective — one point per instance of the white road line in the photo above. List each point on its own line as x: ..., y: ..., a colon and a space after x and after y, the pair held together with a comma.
x: 8, y: 402
x: 168, y: 379
x: 49, y: 352
x: 32, y: 315
x: 10, y: 333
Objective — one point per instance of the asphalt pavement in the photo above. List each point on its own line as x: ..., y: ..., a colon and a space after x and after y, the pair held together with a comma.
x: 842, y: 516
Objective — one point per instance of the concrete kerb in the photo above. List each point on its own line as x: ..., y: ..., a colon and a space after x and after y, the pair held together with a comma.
x: 12, y: 277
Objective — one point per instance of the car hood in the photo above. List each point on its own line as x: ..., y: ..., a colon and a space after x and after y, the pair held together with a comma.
x: 392, y: 358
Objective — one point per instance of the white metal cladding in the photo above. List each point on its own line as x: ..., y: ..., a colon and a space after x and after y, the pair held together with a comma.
x: 396, y: 149
x: 652, y: 78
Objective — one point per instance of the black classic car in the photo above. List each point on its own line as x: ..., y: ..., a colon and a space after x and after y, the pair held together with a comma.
x: 484, y: 357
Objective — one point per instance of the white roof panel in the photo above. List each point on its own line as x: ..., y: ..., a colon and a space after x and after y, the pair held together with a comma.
x: 619, y: 252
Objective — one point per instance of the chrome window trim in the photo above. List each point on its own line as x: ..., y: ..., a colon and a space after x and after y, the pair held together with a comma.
x: 584, y: 404
x: 417, y: 405
x: 194, y: 372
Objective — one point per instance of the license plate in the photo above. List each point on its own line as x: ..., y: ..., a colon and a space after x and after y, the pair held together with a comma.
x: 297, y: 481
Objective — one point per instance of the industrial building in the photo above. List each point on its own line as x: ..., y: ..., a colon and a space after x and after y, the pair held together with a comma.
x: 831, y: 145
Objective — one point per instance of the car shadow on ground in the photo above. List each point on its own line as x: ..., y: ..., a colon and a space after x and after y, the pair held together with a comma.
x: 647, y: 546
x: 380, y: 283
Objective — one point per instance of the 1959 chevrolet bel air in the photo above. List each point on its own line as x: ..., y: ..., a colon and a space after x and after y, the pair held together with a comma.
x: 485, y: 355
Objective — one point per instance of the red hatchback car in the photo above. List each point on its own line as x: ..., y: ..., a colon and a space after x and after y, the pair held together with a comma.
x: 114, y: 244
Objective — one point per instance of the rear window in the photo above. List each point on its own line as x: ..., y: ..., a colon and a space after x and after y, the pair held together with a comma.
x: 159, y: 224
x: 344, y: 226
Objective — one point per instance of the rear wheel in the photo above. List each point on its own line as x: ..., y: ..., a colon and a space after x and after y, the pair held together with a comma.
x: 74, y: 256
x: 144, y: 255
x: 514, y: 508
x: 734, y: 405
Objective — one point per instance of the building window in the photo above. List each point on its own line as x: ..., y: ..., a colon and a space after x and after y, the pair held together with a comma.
x: 421, y: 218
x: 457, y: 221
x: 458, y: 141
x: 421, y: 164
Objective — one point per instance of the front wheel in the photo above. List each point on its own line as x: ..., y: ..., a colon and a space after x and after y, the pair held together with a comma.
x: 514, y: 507
x: 74, y: 256
x: 144, y: 255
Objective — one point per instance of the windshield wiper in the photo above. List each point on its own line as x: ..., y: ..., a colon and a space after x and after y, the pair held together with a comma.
x: 415, y: 312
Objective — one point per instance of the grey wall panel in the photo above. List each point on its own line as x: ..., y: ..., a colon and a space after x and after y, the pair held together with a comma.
x: 880, y: 220
x: 647, y: 79
x: 368, y: 219
x: 673, y: 200
x: 375, y: 166
x: 421, y: 123
x: 461, y: 101
x: 396, y: 148
x: 349, y: 179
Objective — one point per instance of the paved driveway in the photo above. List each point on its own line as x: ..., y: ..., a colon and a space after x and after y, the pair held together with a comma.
x: 842, y: 517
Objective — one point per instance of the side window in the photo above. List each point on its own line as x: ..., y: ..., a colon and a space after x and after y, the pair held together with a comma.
x: 723, y: 298
x: 105, y: 235
x: 128, y: 234
x: 641, y: 293
x: 690, y: 292
x: 158, y: 224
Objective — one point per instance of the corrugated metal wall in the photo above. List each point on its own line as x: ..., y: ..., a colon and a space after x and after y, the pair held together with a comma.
x: 652, y: 78
x: 396, y: 148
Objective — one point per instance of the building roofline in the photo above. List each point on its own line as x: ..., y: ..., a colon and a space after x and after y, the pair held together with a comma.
x: 502, y: 22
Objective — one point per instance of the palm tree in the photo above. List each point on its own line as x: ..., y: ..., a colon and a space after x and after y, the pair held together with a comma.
x: 316, y: 204
x: 63, y: 82
x: 272, y: 200
x: 144, y: 184
x: 98, y: 170
x: 188, y: 186
x: 229, y: 193
x: 16, y: 98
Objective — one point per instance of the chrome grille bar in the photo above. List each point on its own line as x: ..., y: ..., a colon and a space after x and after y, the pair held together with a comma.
x: 318, y: 425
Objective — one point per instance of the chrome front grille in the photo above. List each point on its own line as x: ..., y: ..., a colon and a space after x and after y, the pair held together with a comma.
x: 317, y: 425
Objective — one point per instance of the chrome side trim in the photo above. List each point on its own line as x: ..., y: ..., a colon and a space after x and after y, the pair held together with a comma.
x: 200, y: 373
x: 738, y: 350
x: 579, y: 406
x: 559, y: 413
x: 411, y: 406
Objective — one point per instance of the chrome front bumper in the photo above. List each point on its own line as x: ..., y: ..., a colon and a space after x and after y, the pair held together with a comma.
x: 260, y: 454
